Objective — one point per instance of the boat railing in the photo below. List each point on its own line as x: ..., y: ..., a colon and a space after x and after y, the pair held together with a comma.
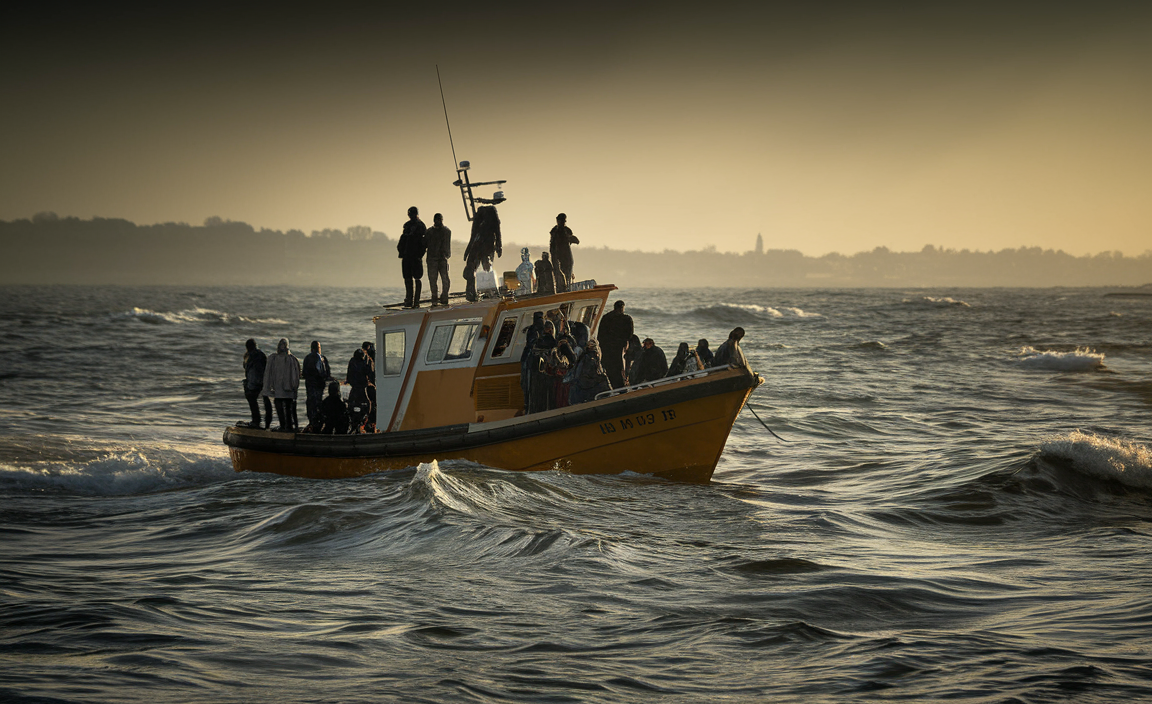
x: 663, y: 381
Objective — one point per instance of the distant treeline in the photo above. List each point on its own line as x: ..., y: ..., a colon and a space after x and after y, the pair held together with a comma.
x: 47, y: 249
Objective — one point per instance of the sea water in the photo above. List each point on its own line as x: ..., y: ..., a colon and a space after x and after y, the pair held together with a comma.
x: 961, y: 509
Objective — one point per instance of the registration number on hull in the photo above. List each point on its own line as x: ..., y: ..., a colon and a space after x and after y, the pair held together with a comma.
x: 637, y: 421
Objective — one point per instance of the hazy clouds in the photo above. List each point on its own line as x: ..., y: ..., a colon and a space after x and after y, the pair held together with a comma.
x: 835, y: 127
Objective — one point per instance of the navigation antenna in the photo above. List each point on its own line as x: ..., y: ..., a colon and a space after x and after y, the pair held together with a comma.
x: 462, y: 182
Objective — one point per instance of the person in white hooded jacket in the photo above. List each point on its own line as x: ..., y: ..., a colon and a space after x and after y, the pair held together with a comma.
x: 281, y: 380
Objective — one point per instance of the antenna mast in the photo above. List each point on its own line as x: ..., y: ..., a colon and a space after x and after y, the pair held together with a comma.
x: 462, y: 168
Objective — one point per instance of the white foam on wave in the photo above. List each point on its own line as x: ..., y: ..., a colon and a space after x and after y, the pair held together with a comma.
x: 1080, y: 359
x: 194, y: 315
x: 938, y: 302
x: 1127, y: 462
x: 121, y: 473
x: 781, y: 312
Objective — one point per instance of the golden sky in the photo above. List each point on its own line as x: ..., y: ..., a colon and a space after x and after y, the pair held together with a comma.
x: 837, y: 127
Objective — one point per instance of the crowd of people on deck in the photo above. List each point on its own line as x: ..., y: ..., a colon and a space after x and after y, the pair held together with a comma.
x: 561, y: 366
x: 276, y: 379
x: 419, y: 245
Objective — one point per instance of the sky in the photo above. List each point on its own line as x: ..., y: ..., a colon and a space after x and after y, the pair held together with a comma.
x: 822, y: 126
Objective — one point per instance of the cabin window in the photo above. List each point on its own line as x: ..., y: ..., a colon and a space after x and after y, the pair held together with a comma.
x: 392, y: 354
x: 587, y: 315
x: 504, y: 339
x: 451, y: 343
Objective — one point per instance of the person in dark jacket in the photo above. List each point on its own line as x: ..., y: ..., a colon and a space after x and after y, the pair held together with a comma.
x: 560, y: 244
x: 540, y: 385
x: 590, y: 377
x: 653, y: 364
x: 316, y: 373
x: 358, y: 379
x: 483, y: 244
x: 439, y: 241
x: 533, y: 331
x: 679, y: 361
x: 615, y: 329
x: 631, y: 356
x: 333, y: 414
x: 370, y: 360
x: 729, y: 353
x: 704, y: 353
x: 411, y: 248
x: 545, y: 275
x: 255, y: 362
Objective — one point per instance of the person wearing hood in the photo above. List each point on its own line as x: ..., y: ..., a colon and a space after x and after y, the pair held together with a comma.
x: 729, y: 353
x: 545, y: 275
x: 615, y: 329
x: 333, y: 413
x: 590, y: 377
x: 631, y: 356
x: 532, y: 332
x: 281, y: 381
x: 255, y: 362
x: 568, y: 352
x: 679, y: 361
x: 560, y: 244
x: 317, y: 372
x: 653, y: 364
x: 704, y: 353
x: 540, y: 386
x: 358, y: 378
x: 411, y: 248
x: 525, y: 273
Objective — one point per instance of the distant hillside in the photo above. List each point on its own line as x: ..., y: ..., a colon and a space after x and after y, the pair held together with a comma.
x: 54, y: 250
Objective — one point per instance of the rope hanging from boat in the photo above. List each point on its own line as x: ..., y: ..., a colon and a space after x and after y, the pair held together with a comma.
x: 749, y: 407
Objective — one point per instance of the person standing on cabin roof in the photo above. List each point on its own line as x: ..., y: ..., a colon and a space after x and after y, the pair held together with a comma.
x: 255, y: 361
x: 484, y: 243
x: 439, y: 240
x: 730, y: 353
x: 615, y: 329
x: 524, y: 273
x: 281, y: 380
x: 545, y: 276
x: 411, y: 248
x: 317, y: 372
x: 560, y: 244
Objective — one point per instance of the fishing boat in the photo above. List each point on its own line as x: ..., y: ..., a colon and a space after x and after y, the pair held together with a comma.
x: 448, y: 387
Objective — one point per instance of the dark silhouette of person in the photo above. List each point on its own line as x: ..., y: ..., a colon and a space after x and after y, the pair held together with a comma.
x: 358, y: 378
x: 255, y: 362
x: 590, y: 377
x: 615, y: 329
x: 653, y: 364
x: 704, y: 353
x: 679, y: 361
x: 317, y: 372
x: 631, y: 357
x: 729, y: 353
x: 333, y: 415
x: 545, y: 276
x: 370, y: 360
x: 541, y: 386
x: 532, y: 331
x: 560, y: 244
x: 483, y: 244
x: 281, y: 381
x: 411, y: 249
x: 439, y: 242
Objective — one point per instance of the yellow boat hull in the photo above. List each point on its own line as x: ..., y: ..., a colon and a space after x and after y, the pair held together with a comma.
x: 676, y: 432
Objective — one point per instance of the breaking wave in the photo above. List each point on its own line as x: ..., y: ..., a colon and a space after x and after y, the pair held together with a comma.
x: 1080, y: 359
x: 119, y: 474
x: 194, y: 315
x: 1124, y: 461
x: 941, y: 302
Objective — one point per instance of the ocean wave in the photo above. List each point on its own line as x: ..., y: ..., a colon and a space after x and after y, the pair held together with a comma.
x: 194, y: 315
x: 119, y: 474
x: 1124, y: 461
x: 1080, y: 359
x: 733, y: 313
x: 934, y: 302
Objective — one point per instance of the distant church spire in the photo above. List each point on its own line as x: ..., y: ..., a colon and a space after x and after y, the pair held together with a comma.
x: 759, y: 244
